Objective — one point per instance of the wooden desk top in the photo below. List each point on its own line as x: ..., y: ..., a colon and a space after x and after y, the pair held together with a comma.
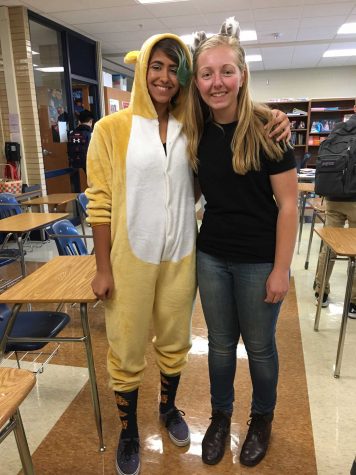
x: 23, y: 222
x: 306, y: 187
x: 317, y: 204
x: 15, y: 384
x: 54, y: 199
x: 63, y: 279
x: 341, y: 240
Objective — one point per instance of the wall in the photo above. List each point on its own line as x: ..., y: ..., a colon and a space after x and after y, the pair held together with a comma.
x: 116, y: 94
x: 25, y: 103
x: 309, y: 83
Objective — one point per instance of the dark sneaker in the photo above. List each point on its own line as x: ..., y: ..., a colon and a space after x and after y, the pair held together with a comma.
x: 352, y: 310
x: 325, y: 302
x: 178, y: 430
x: 216, y: 437
x: 128, y: 456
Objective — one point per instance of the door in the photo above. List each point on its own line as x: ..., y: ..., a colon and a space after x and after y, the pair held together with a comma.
x: 52, y: 105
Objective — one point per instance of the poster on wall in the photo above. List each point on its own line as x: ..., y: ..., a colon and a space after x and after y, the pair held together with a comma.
x: 114, y: 105
x: 125, y: 104
x: 58, y: 117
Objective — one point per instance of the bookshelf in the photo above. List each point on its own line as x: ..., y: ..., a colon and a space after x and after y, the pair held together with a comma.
x: 324, y: 115
x: 319, y: 117
x: 298, y: 113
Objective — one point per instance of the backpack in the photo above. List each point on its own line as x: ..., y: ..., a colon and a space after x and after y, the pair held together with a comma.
x: 78, y: 143
x: 335, y: 174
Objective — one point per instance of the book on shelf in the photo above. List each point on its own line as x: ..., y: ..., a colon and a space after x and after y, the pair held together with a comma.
x: 315, y: 140
x: 322, y: 126
x: 323, y: 109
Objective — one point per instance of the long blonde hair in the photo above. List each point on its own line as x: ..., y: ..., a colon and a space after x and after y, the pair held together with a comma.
x: 250, y: 136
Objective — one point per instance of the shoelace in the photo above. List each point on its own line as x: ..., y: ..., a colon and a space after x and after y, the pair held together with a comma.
x: 256, y: 423
x: 131, y: 446
x: 174, y: 417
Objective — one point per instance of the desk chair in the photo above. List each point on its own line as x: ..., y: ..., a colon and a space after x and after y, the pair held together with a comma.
x: 9, y: 206
x: 83, y: 202
x: 31, y: 331
x: 15, y: 385
x: 67, y: 239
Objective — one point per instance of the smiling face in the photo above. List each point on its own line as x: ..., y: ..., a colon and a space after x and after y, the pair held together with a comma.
x: 162, y: 82
x: 218, y: 80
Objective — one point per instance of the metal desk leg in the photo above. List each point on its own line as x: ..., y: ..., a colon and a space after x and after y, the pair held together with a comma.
x: 301, y: 218
x: 20, y: 245
x: 80, y: 214
x: 21, y: 442
x: 322, y: 288
x: 340, y: 348
x: 306, y: 265
x: 92, y: 376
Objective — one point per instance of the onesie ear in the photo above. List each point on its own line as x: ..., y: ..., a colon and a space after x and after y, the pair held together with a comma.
x: 131, y: 57
x: 230, y: 27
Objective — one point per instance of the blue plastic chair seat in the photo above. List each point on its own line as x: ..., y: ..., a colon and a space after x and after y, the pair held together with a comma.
x: 67, y: 239
x: 41, y: 324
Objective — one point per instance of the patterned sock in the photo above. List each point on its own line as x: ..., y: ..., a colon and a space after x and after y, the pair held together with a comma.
x: 127, y: 406
x: 169, y: 385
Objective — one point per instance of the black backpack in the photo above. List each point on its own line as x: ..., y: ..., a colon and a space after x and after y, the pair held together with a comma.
x: 335, y: 174
x: 78, y: 143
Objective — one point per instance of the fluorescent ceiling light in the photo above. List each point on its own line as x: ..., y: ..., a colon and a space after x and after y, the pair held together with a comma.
x: 247, y: 35
x: 159, y: 1
x: 347, y: 29
x: 336, y: 53
x: 252, y: 58
x: 34, y: 52
x: 54, y: 69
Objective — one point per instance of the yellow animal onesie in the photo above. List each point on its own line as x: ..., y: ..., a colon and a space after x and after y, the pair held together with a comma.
x: 147, y: 197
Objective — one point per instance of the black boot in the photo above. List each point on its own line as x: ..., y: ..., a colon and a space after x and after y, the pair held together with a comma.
x: 214, y: 442
x: 256, y: 443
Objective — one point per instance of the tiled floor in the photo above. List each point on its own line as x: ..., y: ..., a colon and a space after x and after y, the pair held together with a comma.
x: 71, y: 444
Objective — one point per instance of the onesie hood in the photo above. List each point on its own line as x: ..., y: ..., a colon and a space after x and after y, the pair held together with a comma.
x: 141, y: 103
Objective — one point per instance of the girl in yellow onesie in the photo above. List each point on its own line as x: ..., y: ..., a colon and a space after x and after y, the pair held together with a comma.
x: 141, y: 207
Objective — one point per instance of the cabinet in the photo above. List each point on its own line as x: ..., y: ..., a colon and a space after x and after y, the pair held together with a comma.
x: 311, y: 122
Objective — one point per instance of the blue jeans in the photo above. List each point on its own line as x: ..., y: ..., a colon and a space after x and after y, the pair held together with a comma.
x: 232, y: 296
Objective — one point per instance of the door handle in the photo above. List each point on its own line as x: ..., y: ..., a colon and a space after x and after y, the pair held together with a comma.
x: 46, y: 152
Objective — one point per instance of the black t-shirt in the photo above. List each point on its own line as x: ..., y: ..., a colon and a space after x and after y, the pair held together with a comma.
x: 240, y: 214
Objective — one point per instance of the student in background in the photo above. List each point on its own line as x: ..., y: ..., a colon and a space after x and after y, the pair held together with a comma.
x: 246, y: 241
x: 339, y: 210
x: 79, y: 139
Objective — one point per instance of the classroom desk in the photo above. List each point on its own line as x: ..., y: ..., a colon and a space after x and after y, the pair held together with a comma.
x: 303, y: 189
x: 64, y: 279
x: 22, y: 223
x: 54, y: 200
x: 342, y: 241
x: 57, y: 199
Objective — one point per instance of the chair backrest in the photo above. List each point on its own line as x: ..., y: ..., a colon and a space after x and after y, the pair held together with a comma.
x: 8, y: 205
x: 67, y: 239
x: 83, y: 202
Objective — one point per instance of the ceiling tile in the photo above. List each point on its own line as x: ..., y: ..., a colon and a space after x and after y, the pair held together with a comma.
x: 116, y: 26
x: 95, y: 15
x: 281, y: 13
x: 328, y: 10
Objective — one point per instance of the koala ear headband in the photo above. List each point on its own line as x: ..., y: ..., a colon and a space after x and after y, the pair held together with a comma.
x: 230, y: 27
